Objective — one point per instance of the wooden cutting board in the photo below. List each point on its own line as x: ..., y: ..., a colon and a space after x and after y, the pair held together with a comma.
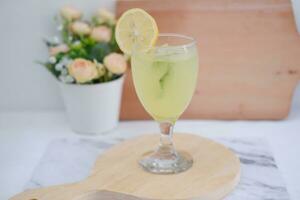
x: 117, y: 175
x: 249, y: 56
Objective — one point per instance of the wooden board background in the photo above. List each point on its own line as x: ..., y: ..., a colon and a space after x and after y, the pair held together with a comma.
x: 249, y: 56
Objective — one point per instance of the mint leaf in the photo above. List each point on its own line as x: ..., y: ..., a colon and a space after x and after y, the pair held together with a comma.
x: 164, y: 77
x: 162, y: 69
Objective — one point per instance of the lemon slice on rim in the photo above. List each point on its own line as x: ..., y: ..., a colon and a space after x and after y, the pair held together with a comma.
x: 136, y: 29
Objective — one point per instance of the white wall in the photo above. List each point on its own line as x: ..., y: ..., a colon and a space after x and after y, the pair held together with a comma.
x: 23, y: 24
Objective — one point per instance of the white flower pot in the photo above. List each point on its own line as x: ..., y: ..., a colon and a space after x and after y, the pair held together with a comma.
x: 94, y: 108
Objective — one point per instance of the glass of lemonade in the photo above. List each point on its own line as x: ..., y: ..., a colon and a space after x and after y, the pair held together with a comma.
x: 165, y: 78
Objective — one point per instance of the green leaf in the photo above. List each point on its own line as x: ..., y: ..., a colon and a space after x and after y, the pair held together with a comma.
x: 59, y: 56
x: 87, y: 41
x: 65, y: 32
x: 99, y: 51
x: 113, y: 43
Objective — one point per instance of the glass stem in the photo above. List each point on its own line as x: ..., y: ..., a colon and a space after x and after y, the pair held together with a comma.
x: 166, y: 146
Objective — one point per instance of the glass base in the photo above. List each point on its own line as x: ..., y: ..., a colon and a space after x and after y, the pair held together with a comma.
x: 163, y: 161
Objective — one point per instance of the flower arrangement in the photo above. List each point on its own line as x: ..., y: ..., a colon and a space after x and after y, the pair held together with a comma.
x: 85, y: 52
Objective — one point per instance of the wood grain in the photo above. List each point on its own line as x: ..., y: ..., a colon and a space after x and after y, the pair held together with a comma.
x: 249, y: 56
x: 117, y: 175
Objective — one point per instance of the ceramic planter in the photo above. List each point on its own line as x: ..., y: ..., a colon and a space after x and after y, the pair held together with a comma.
x: 94, y: 108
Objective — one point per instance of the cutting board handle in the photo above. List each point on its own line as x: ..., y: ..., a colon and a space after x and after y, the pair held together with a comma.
x: 67, y: 192
x: 41, y: 193
x: 104, y: 194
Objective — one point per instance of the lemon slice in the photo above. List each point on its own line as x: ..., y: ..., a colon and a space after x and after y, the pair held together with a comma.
x: 136, y: 29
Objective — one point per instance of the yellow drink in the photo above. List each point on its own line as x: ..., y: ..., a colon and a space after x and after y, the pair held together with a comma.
x: 164, y: 69
x: 165, y: 80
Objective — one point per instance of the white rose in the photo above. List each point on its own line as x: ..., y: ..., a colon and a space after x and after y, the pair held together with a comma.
x: 66, y: 78
x: 52, y: 60
x: 80, y: 28
x: 101, y: 34
x: 61, y: 48
x: 83, y: 70
x: 101, y: 69
x: 115, y: 63
x: 70, y: 13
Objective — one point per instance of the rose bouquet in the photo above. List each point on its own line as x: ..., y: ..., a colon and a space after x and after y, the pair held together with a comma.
x: 83, y: 57
x: 85, y: 52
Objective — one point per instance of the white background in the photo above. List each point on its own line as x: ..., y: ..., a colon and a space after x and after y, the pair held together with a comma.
x: 25, y: 85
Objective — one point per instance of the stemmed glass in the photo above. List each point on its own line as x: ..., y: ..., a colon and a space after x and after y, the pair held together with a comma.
x: 165, y: 78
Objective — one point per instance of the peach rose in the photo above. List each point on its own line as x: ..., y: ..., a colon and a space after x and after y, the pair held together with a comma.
x: 80, y: 28
x: 115, y: 63
x: 61, y: 48
x: 70, y: 13
x: 83, y: 70
x: 105, y: 16
x: 101, y: 34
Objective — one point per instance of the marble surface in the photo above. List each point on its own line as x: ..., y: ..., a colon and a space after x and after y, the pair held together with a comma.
x: 69, y: 160
x: 25, y: 136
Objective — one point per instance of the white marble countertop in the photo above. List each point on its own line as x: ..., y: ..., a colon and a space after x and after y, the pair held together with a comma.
x: 25, y: 135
